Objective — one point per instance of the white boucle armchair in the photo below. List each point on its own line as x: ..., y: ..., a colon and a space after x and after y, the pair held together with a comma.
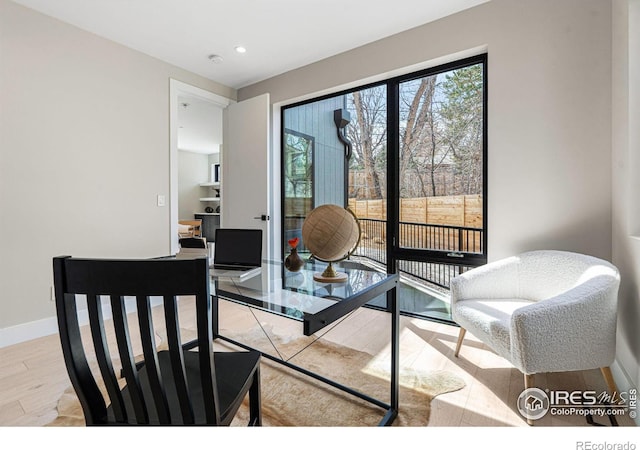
x: 544, y: 311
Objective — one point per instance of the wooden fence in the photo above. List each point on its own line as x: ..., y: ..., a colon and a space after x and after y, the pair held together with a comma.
x: 442, y: 214
x: 456, y: 210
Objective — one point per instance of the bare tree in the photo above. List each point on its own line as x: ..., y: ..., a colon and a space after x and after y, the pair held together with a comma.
x: 440, y: 133
x: 420, y: 149
x: 368, y: 133
x: 462, y: 113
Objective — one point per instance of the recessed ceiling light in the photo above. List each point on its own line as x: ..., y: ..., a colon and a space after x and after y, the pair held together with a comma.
x: 216, y: 59
x: 241, y: 49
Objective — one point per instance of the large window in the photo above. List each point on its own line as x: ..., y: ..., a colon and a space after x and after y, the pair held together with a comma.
x: 408, y: 156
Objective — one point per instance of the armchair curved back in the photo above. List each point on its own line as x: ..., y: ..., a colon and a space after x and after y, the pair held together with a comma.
x: 543, y: 274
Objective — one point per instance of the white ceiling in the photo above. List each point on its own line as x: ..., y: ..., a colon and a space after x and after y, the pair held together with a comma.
x: 199, y: 126
x: 279, y: 35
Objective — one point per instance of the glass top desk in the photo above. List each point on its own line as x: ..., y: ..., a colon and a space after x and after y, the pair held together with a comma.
x: 297, y: 296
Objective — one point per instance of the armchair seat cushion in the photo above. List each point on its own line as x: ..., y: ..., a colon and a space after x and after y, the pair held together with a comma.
x: 490, y: 320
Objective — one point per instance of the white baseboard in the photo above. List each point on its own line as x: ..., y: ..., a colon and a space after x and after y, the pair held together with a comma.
x: 623, y: 381
x: 28, y: 331
x: 46, y: 327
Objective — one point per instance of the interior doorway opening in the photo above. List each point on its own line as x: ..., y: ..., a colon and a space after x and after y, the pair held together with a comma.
x: 196, y: 135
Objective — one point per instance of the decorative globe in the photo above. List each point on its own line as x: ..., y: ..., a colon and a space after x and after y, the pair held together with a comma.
x: 330, y: 233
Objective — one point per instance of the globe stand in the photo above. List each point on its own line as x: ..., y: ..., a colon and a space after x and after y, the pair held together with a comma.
x: 330, y: 275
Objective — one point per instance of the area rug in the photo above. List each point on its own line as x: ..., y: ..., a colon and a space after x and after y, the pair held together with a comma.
x: 293, y: 399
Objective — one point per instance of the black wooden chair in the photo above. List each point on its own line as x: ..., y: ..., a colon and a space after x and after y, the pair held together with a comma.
x: 169, y: 387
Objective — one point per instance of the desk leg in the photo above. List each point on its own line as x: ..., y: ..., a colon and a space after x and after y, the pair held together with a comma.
x: 395, y: 347
x: 215, y: 317
x: 394, y: 307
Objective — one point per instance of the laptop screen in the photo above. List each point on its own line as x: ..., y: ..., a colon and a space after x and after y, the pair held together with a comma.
x: 238, y: 247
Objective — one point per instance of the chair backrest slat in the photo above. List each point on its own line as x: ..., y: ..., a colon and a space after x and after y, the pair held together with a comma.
x: 75, y: 358
x: 121, y: 327
x: 177, y: 359
x: 82, y: 379
x: 149, y: 350
x: 99, y: 338
x: 205, y: 348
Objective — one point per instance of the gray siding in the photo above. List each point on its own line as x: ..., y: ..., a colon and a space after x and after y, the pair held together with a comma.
x: 316, y: 120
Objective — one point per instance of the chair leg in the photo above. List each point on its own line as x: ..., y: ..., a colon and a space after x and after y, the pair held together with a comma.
x: 528, y: 383
x: 460, y: 339
x: 608, y: 377
x: 255, y: 407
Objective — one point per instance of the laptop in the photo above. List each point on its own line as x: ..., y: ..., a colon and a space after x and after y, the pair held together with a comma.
x: 237, y: 253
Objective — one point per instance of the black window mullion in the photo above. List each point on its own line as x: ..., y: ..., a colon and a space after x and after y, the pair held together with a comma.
x: 393, y: 171
x: 485, y: 163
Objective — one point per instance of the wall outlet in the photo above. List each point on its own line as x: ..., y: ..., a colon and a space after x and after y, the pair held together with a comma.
x: 161, y: 200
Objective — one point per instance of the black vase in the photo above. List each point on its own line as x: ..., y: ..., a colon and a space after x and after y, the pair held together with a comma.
x: 293, y: 262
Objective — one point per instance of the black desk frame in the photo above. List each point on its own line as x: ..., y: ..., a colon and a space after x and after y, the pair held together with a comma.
x: 315, y: 322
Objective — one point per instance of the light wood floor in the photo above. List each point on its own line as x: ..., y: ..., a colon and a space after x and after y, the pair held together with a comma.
x: 33, y: 377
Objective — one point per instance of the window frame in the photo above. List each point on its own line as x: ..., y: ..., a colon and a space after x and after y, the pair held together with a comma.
x: 394, y: 251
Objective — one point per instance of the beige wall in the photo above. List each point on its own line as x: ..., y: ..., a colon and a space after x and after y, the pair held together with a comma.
x: 626, y: 178
x: 550, y: 179
x: 84, y: 151
x: 549, y: 111
x: 193, y: 169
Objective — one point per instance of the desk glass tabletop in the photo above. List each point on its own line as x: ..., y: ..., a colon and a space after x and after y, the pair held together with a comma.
x: 297, y: 294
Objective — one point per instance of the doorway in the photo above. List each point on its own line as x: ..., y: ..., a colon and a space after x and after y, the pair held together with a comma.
x: 194, y: 152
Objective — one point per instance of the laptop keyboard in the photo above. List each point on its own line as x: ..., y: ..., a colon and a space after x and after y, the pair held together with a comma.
x: 218, y: 266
